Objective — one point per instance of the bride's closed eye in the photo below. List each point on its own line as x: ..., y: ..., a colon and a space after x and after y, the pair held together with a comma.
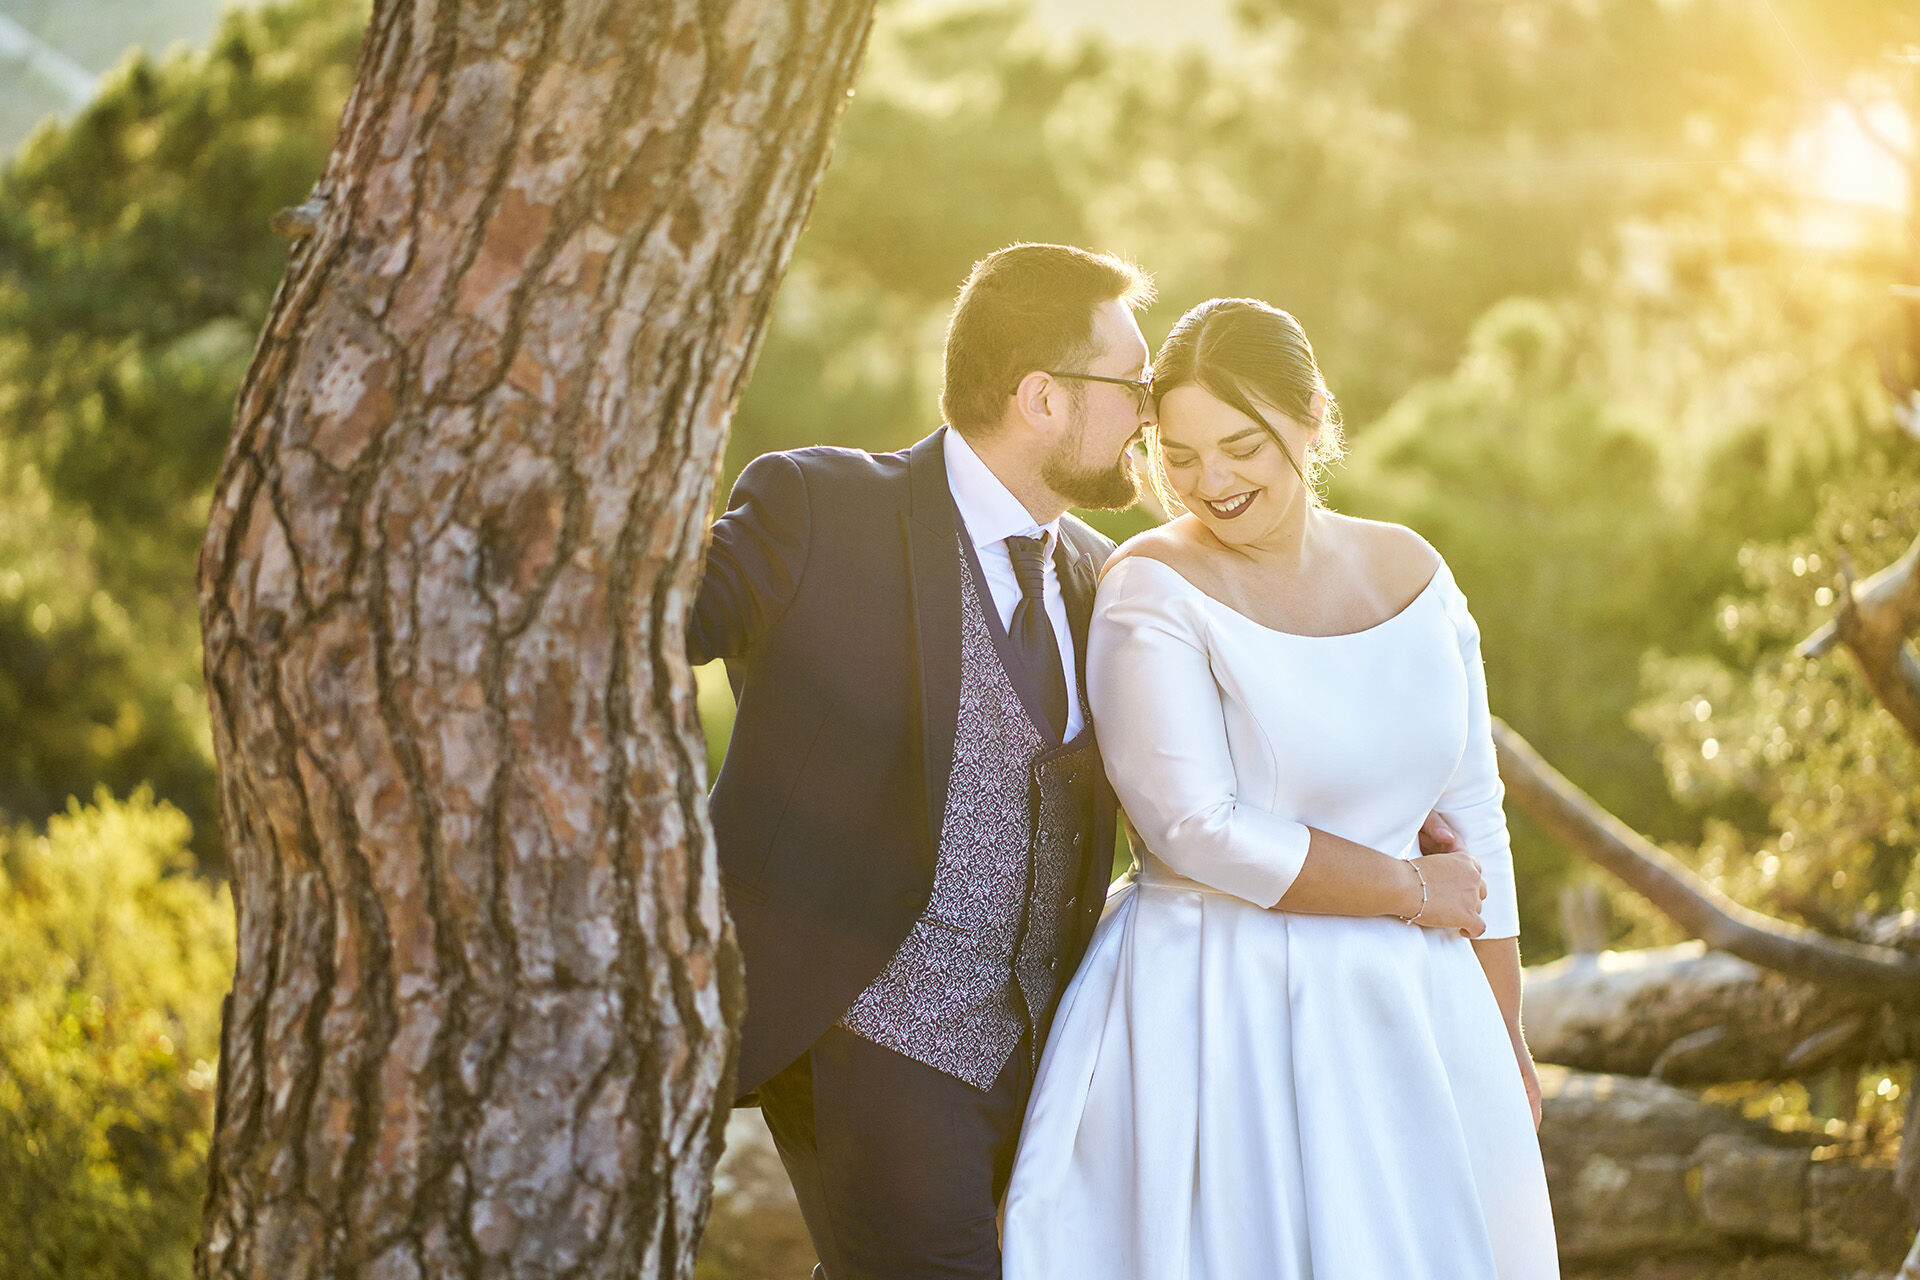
x: 1187, y: 460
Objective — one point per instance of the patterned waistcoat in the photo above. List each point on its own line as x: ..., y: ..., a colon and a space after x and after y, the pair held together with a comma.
x: 981, y: 966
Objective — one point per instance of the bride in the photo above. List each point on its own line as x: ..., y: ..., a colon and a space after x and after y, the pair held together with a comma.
x: 1232, y: 1088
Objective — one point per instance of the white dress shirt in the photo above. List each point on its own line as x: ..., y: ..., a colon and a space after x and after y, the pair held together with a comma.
x: 992, y: 515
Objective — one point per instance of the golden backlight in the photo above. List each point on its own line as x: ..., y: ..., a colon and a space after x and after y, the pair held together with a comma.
x: 1848, y: 159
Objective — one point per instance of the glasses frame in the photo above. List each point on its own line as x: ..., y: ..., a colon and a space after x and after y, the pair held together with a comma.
x: 1142, y: 387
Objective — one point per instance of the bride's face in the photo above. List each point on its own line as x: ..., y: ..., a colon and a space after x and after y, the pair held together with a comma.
x: 1226, y: 468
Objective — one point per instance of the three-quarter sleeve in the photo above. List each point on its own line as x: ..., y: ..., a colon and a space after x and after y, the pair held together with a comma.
x: 1163, y: 736
x: 1471, y: 804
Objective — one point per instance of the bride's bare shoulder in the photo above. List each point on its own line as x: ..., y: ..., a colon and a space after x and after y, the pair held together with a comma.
x: 1172, y: 544
x: 1397, y: 559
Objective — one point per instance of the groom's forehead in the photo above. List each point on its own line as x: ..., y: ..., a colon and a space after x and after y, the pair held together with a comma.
x: 1121, y: 336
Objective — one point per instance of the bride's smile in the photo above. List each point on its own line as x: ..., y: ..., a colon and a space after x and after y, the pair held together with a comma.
x: 1228, y: 508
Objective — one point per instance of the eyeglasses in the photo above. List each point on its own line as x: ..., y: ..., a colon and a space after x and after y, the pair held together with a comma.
x: 1142, y: 387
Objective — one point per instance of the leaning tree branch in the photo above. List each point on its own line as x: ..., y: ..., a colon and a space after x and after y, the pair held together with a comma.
x: 1540, y: 791
x: 1873, y: 621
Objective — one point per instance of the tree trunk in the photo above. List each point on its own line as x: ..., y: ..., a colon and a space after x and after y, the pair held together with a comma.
x: 482, y: 1012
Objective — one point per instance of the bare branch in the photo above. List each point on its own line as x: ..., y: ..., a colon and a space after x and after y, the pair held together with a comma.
x: 1879, y: 973
x: 1874, y: 620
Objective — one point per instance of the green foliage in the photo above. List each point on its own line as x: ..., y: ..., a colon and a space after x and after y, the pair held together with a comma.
x: 1806, y: 784
x: 944, y: 156
x: 113, y: 959
x: 138, y: 261
x: 82, y: 691
x: 92, y: 33
x: 135, y: 269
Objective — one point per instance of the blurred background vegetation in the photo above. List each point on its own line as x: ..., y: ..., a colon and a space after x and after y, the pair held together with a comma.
x: 1604, y: 288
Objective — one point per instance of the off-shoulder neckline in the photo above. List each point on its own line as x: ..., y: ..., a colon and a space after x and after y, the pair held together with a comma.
x: 1211, y: 599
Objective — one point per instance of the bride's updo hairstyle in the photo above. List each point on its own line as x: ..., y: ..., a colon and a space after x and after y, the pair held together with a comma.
x: 1246, y: 354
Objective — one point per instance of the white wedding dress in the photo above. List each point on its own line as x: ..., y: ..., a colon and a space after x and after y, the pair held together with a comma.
x: 1235, y: 1093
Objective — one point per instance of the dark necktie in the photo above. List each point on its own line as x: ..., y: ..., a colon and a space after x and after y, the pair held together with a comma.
x: 1032, y: 631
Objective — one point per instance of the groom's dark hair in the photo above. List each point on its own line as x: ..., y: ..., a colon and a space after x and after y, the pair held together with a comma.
x: 1026, y: 307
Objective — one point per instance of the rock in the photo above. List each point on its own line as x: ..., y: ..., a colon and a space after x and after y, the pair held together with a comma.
x: 1855, y: 1216
x: 1717, y: 1266
x: 1587, y: 1115
x: 1751, y: 1191
x: 1616, y: 1207
x: 1645, y: 1178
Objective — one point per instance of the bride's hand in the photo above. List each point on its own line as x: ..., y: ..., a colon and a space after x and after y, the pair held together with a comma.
x: 1455, y: 892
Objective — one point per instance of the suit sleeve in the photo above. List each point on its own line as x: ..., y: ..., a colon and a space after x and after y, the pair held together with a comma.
x: 756, y: 555
x: 1163, y: 738
x: 1472, y: 802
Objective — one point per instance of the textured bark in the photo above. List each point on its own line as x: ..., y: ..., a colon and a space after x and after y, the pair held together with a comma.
x: 481, y: 1017
x: 1866, y: 970
x: 1692, y: 1016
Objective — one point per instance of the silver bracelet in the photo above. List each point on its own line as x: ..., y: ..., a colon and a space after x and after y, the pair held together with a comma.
x: 1415, y: 917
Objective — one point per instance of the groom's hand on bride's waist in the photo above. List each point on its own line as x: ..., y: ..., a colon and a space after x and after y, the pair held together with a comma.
x: 1436, y: 836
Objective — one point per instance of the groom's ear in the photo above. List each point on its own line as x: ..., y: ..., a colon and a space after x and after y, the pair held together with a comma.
x: 1039, y: 400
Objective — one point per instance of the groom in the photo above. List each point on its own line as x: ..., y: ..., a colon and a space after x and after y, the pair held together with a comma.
x: 915, y: 832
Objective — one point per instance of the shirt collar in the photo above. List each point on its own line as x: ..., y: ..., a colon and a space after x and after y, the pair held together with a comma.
x: 988, y: 509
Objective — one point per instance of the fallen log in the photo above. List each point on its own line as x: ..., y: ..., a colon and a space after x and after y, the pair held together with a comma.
x: 1689, y: 1015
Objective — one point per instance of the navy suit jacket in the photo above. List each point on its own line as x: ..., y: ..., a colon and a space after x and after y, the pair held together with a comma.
x: 832, y: 590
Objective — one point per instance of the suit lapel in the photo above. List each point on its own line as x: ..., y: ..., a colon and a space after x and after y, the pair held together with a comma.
x: 1079, y: 583
x: 933, y: 584
x: 1077, y: 586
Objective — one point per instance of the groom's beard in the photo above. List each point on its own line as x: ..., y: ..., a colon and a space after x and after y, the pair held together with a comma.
x: 1112, y: 488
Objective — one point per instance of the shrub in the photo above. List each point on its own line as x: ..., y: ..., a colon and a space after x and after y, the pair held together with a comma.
x: 114, y: 956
